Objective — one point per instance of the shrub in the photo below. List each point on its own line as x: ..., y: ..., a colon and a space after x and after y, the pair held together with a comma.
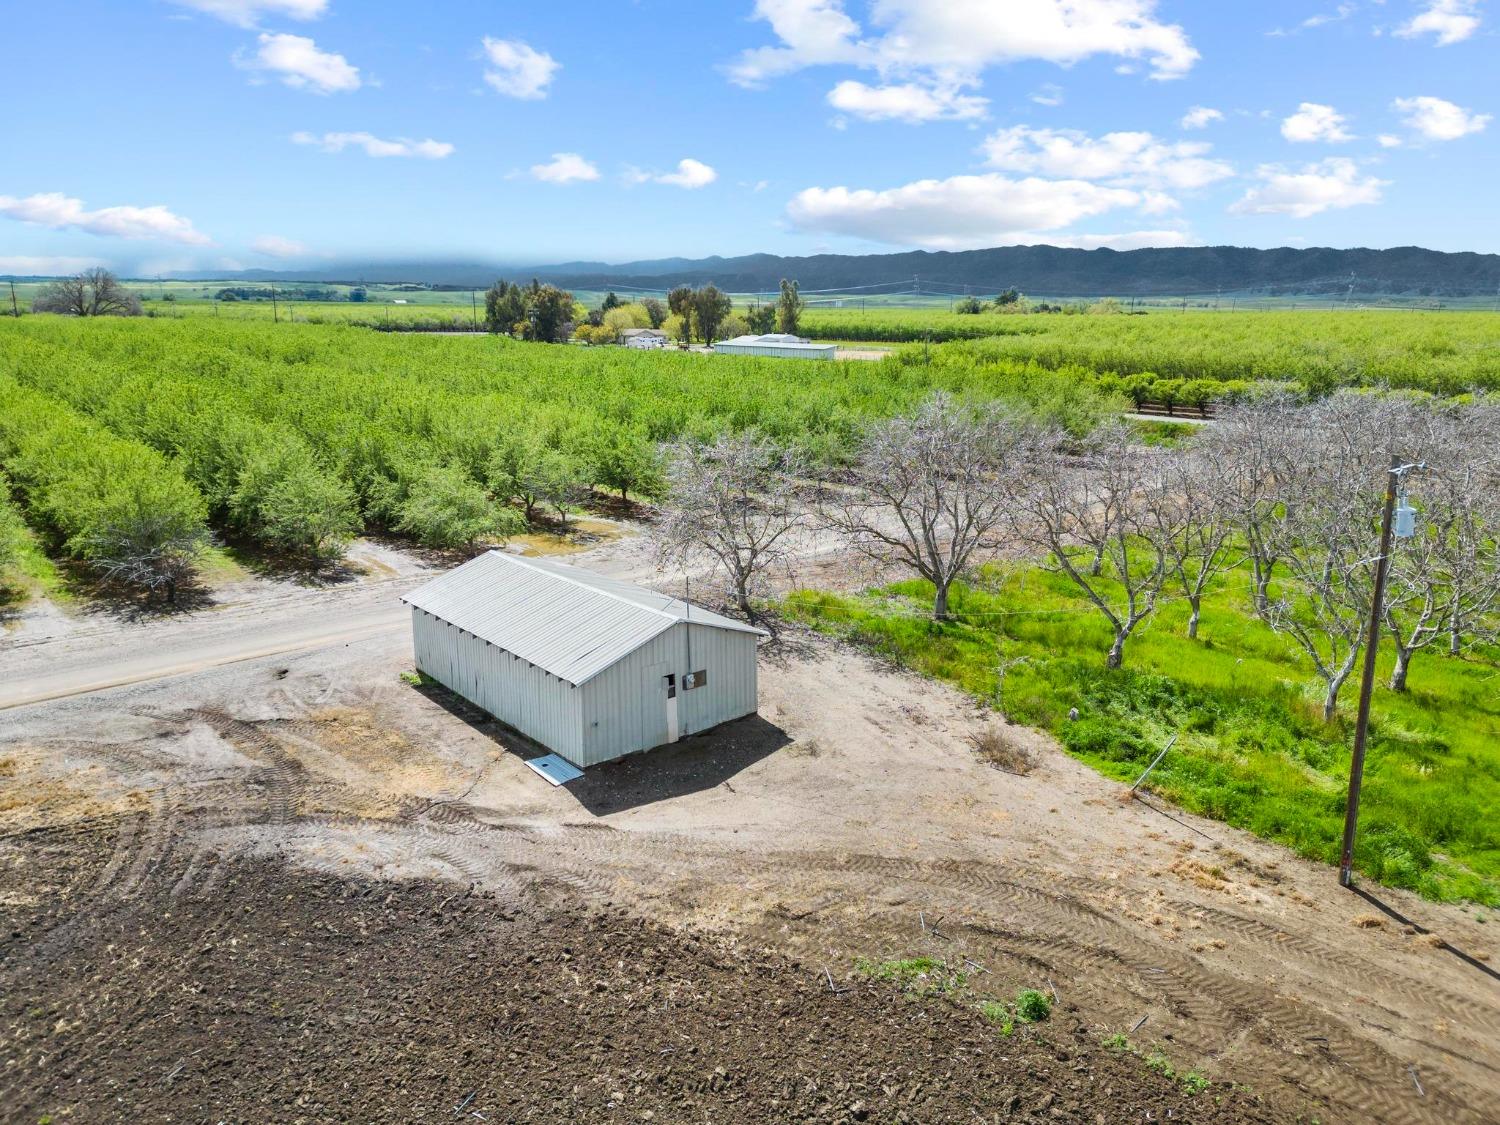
x: 1032, y: 1006
x: 1194, y: 1083
x: 445, y: 508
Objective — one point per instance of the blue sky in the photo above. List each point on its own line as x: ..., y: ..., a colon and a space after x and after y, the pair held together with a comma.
x: 155, y: 135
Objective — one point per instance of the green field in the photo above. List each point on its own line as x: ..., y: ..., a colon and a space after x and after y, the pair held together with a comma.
x: 1446, y: 352
x: 1253, y: 749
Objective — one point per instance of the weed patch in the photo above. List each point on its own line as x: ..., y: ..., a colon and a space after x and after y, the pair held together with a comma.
x: 1002, y: 753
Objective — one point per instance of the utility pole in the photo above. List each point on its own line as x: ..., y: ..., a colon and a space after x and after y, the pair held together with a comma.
x: 1367, y: 681
x: 275, y: 316
x: 474, y: 306
x: 15, y: 309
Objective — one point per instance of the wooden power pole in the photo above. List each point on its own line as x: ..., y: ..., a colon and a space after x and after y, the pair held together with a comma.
x: 1367, y: 680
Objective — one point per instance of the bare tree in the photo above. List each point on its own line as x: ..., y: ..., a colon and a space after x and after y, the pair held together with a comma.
x: 1445, y: 581
x: 152, y: 550
x: 1247, y: 448
x: 931, y: 488
x: 1323, y: 528
x: 738, y: 500
x: 95, y: 292
x: 1094, y: 507
x: 1186, y: 511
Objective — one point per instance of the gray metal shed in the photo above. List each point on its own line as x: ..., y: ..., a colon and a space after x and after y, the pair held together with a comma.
x: 591, y: 668
x: 777, y: 344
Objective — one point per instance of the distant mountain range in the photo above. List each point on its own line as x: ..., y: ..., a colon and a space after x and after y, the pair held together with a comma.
x: 1041, y: 270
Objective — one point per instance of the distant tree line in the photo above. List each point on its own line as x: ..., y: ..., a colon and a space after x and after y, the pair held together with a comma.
x: 265, y: 293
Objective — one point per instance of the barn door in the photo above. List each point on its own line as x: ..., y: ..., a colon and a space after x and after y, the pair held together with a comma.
x: 669, y: 682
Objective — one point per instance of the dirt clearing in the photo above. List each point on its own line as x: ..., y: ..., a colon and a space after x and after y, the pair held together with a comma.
x: 290, y: 997
x: 313, y: 873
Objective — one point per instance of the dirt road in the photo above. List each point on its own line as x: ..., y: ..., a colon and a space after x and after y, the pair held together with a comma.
x: 850, y: 818
x: 92, y: 660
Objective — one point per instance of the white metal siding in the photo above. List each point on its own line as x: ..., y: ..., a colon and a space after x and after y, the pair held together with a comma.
x: 535, y: 702
x: 779, y: 351
x: 624, y: 707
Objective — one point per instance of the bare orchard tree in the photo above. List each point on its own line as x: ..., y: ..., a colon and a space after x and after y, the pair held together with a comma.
x: 95, y: 292
x: 1445, y: 581
x: 1094, y: 507
x: 737, y: 500
x: 1185, y: 510
x: 152, y: 550
x: 931, y: 488
x: 1324, y: 530
x: 1247, y: 447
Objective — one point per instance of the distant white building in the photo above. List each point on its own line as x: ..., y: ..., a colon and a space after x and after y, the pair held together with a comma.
x: 644, y: 338
x: 777, y: 344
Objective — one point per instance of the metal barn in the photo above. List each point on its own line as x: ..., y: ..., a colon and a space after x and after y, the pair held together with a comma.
x: 778, y: 344
x: 591, y: 668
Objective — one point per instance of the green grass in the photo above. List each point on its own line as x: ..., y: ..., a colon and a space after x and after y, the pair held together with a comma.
x: 35, y: 575
x: 1253, y: 750
x: 918, y: 975
x: 928, y: 976
x: 999, y: 1014
x: 221, y: 564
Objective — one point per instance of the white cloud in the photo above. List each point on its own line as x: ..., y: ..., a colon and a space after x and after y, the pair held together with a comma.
x: 1389, y: 140
x: 1328, y: 185
x: 300, y: 65
x: 60, y: 212
x: 1314, y: 122
x: 1050, y: 94
x: 23, y: 265
x: 275, y: 246
x: 565, y: 168
x: 247, y: 13
x: 953, y: 42
x: 376, y: 146
x: 1200, y: 117
x: 812, y: 32
x: 957, y: 213
x: 907, y: 102
x: 1320, y: 19
x: 519, y: 70
x: 1439, y: 120
x: 1122, y: 158
x: 1451, y: 21
x: 690, y: 174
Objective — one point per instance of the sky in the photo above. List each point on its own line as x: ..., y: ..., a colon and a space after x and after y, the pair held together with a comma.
x: 166, y: 135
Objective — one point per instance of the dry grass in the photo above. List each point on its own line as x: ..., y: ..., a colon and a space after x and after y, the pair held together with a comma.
x: 991, y: 744
x: 1370, y: 922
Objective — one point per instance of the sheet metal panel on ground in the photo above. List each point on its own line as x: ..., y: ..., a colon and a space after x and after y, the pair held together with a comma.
x: 577, y: 661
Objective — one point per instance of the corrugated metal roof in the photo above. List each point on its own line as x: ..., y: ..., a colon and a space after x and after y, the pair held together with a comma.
x: 774, y: 341
x: 566, y: 620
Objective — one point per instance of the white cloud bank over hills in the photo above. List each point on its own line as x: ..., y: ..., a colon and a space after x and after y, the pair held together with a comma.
x: 61, y: 212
